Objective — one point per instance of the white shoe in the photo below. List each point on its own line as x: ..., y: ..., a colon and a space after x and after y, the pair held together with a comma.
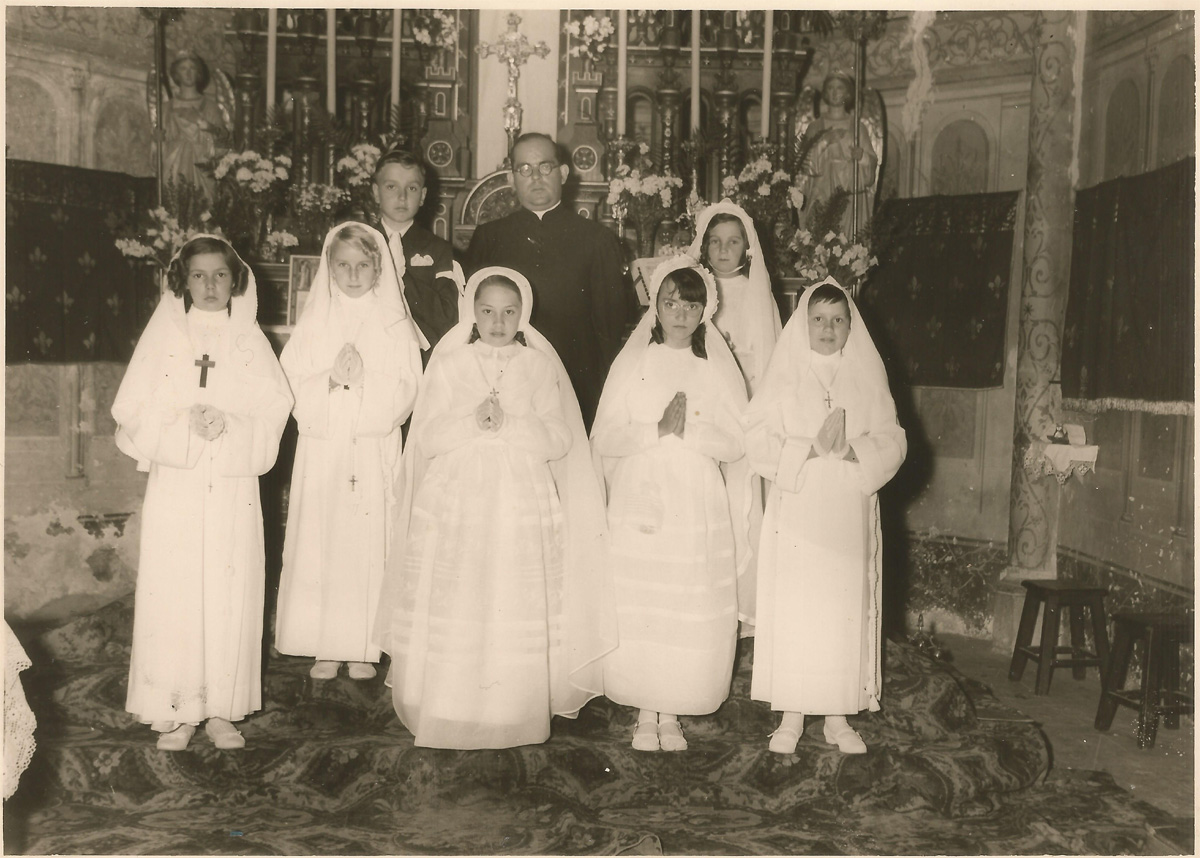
x: 325, y: 669
x: 845, y: 737
x: 645, y: 736
x: 176, y: 739
x: 670, y: 736
x: 361, y: 670
x: 224, y: 735
x: 784, y: 741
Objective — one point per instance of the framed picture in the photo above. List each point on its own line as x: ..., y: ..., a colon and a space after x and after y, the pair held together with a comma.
x: 642, y: 269
x: 300, y: 278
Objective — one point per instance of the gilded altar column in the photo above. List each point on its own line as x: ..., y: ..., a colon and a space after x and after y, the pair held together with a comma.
x: 1046, y: 269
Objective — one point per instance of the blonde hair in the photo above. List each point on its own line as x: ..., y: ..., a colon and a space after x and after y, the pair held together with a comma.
x: 359, y: 237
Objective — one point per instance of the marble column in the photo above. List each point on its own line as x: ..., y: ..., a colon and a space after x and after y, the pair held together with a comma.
x: 1046, y: 270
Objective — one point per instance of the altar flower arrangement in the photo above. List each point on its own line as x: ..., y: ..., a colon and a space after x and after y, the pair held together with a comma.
x: 161, y: 237
x: 767, y: 193
x: 313, y: 209
x: 593, y: 34
x: 648, y: 198
x: 276, y: 245
x: 164, y: 230
x: 433, y: 29
x: 831, y: 255
x: 356, y: 172
x: 251, y: 189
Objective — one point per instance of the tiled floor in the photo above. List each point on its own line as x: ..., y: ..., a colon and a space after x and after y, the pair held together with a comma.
x: 1163, y: 775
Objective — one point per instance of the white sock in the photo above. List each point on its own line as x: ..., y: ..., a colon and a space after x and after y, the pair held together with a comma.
x: 645, y: 715
x: 793, y: 721
x: 666, y: 717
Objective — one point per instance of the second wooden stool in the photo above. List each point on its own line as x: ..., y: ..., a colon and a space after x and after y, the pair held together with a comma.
x: 1056, y: 595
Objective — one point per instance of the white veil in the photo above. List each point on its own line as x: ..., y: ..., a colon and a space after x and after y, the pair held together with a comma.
x: 760, y: 307
x: 745, y: 504
x: 589, y: 615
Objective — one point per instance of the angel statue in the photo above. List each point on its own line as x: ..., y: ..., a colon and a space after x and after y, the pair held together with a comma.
x: 828, y: 156
x: 196, y: 123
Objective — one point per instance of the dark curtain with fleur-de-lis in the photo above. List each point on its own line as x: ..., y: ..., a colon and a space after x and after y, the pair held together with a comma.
x: 937, y: 303
x: 1130, y: 320
x: 70, y: 296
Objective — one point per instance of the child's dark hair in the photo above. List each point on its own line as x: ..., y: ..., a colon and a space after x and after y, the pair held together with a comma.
x: 827, y: 293
x: 177, y: 273
x: 717, y: 220
x: 504, y: 282
x: 690, y: 287
x: 404, y: 159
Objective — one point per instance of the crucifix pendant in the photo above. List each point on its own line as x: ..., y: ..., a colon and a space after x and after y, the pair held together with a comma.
x: 353, y: 482
x: 205, y: 364
x: 828, y: 400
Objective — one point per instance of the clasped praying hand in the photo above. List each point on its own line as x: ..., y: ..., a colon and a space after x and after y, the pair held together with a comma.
x: 674, y: 419
x: 347, y: 368
x: 206, y: 422
x: 489, y: 415
x: 832, y: 437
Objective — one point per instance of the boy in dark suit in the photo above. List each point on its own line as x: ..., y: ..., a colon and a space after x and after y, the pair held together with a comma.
x: 429, y: 283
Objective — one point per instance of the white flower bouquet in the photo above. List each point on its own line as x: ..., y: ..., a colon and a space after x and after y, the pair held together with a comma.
x: 593, y: 34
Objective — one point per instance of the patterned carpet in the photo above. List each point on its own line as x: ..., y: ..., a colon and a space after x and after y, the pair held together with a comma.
x: 329, y: 770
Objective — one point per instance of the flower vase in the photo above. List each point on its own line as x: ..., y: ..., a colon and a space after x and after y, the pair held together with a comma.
x: 647, y: 230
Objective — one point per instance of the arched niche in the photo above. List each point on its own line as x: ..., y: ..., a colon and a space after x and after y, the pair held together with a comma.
x: 31, y: 119
x: 641, y: 117
x: 1177, y: 112
x: 1122, y: 131
x: 960, y: 159
x: 122, y: 139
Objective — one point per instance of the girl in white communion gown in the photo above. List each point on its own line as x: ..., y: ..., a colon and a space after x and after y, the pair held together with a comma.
x: 495, y: 609
x: 680, y: 500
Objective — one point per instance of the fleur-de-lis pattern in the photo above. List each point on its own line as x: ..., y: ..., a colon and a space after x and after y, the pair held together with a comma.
x: 938, y: 301
x: 1130, y: 316
x: 69, y: 294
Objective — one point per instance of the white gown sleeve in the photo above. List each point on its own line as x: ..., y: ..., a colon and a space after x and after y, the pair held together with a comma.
x: 543, y: 431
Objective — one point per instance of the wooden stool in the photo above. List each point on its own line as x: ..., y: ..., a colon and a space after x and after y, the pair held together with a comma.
x: 1056, y: 595
x: 1161, y: 634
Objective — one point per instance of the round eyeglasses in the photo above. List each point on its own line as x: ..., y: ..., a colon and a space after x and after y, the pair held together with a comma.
x: 545, y: 168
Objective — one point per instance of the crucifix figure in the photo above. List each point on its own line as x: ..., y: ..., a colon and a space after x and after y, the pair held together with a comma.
x: 204, y: 365
x: 512, y: 49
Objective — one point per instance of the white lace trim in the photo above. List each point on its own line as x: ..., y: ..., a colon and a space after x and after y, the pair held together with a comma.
x: 19, y: 722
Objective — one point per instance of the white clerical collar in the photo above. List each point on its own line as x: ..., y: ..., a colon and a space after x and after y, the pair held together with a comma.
x: 544, y: 212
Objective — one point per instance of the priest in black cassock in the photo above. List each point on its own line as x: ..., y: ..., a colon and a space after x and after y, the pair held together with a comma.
x: 582, y: 301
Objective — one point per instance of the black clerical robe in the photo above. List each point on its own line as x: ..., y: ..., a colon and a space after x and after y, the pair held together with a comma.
x: 582, y: 301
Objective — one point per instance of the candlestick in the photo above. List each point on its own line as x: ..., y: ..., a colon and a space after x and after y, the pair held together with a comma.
x: 272, y: 28
x: 331, y: 61
x: 622, y: 70
x: 768, y: 38
x: 695, y: 70
x: 397, y: 22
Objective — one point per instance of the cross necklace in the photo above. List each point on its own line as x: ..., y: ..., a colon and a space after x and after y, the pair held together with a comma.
x: 828, y: 398
x: 205, y: 365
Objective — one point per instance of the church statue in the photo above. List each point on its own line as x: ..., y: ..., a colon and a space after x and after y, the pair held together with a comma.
x: 196, y: 122
x: 829, y: 157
